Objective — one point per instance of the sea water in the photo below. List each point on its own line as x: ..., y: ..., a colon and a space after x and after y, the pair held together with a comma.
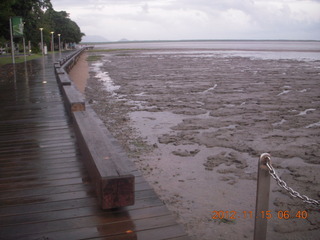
x: 293, y: 50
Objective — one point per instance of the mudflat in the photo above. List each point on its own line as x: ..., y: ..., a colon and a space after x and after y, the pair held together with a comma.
x: 195, y: 123
x: 79, y: 73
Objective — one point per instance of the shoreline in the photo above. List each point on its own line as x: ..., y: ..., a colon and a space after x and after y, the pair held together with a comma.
x: 311, y: 47
x: 79, y: 74
x: 171, y: 140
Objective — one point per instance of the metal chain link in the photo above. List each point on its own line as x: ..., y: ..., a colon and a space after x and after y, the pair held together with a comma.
x: 284, y: 185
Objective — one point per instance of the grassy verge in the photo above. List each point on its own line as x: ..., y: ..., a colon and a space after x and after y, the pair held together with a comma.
x: 18, y: 59
x: 116, y: 49
x: 94, y: 58
x: 122, y: 52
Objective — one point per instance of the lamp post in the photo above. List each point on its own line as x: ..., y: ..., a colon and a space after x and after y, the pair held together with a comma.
x: 24, y: 44
x: 59, y: 42
x: 52, y: 47
x: 41, y: 40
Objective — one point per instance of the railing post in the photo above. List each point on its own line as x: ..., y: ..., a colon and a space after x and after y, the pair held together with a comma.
x: 262, y: 198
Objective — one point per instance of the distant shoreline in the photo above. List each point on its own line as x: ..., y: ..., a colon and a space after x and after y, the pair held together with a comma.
x: 202, y: 40
x: 281, y: 49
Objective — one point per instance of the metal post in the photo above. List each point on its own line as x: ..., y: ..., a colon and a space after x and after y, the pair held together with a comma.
x: 24, y: 44
x: 12, y: 43
x: 59, y: 42
x: 29, y: 48
x: 24, y: 48
x: 52, y: 43
x: 262, y: 198
x: 41, y: 40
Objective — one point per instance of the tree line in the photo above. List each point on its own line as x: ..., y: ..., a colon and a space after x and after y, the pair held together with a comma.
x: 38, y: 14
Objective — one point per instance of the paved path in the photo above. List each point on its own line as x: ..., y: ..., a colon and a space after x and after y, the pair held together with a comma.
x: 45, y: 192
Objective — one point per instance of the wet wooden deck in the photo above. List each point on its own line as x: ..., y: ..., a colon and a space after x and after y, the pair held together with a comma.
x: 45, y: 192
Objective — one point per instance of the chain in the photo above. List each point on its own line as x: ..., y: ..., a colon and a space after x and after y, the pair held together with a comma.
x: 284, y: 185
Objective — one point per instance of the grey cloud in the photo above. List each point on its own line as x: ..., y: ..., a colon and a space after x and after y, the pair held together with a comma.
x: 257, y: 18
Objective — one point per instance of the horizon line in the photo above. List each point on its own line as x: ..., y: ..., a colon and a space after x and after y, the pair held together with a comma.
x: 201, y: 40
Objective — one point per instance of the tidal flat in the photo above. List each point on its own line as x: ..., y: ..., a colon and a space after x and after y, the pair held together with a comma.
x: 195, y: 123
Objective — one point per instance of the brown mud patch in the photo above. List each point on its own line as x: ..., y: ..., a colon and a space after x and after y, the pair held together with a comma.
x: 195, y: 124
x: 79, y: 74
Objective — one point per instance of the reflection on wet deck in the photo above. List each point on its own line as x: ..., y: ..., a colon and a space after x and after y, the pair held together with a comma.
x: 45, y: 192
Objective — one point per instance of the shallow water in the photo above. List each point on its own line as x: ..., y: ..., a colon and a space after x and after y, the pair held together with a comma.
x: 299, y: 50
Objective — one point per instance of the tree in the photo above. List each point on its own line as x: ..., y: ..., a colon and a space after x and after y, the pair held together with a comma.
x: 62, y: 24
x: 5, y: 13
x: 31, y: 12
x: 38, y: 14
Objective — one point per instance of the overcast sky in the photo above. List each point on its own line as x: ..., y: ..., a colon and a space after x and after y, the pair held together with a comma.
x: 195, y: 19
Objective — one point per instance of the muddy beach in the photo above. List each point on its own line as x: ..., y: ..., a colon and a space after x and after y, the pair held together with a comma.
x: 195, y: 122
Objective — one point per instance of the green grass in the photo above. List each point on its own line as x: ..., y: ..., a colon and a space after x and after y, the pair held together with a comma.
x: 94, y: 58
x: 121, y: 52
x: 116, y: 49
x: 227, y: 221
x: 18, y: 59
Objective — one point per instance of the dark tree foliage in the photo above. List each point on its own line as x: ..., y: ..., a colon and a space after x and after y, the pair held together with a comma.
x: 62, y: 24
x: 5, y: 13
x: 38, y: 14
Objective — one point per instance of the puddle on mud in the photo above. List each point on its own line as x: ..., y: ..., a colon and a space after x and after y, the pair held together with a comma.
x: 191, y: 190
x: 104, y: 77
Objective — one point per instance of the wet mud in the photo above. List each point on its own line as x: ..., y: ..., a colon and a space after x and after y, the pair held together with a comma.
x: 195, y: 124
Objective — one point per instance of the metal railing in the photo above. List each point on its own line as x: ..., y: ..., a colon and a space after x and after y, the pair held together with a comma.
x: 265, y: 170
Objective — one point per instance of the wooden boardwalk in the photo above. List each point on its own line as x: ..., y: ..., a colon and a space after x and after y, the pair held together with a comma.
x: 45, y: 192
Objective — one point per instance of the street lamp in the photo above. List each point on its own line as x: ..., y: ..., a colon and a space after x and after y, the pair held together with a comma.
x: 52, y: 47
x: 41, y: 40
x: 24, y: 44
x: 59, y: 42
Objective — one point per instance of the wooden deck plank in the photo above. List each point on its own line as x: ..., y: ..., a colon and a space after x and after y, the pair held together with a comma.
x: 73, y: 212
x: 45, y: 191
x: 173, y: 232
x: 63, y: 156
x: 143, y: 193
x: 36, y: 178
x: 47, y: 207
x: 48, y: 190
x: 113, y: 230
x: 30, y: 167
x: 27, y: 153
x: 39, y: 147
x: 37, y: 184
x: 33, y: 124
x: 63, y: 140
x: 54, y: 172
x: 40, y: 191
x: 25, y: 132
x: 51, y: 153
x: 81, y: 219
